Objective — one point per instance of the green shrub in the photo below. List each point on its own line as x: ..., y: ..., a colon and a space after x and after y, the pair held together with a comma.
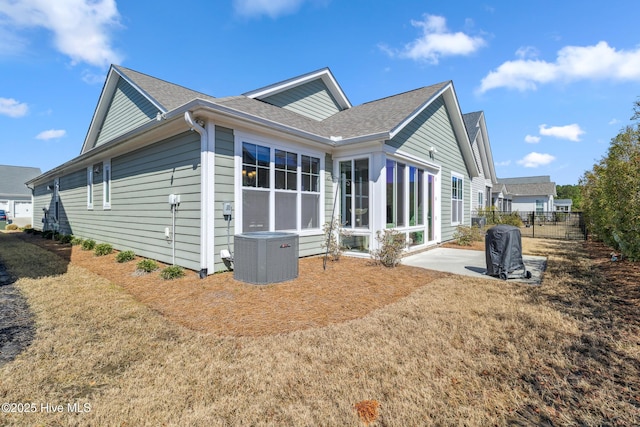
x: 392, y: 244
x: 147, y: 265
x: 75, y: 241
x: 512, y: 218
x: 66, y: 238
x: 57, y: 236
x: 88, y: 245
x: 465, y: 235
x: 125, y: 256
x: 172, y: 272
x: 11, y: 227
x: 103, y: 249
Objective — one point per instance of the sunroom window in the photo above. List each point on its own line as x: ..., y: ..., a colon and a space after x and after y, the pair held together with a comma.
x: 281, y: 189
x: 354, y: 192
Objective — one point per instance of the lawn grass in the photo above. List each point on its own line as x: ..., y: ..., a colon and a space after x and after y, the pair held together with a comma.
x: 456, y: 351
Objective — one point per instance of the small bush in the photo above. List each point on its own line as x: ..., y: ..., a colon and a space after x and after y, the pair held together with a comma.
x: 88, y: 245
x: 27, y: 227
x: 332, y: 242
x: 125, y: 256
x: 392, y: 243
x: 11, y: 227
x: 66, y: 238
x: 512, y: 218
x: 147, y: 265
x: 29, y: 230
x: 57, y: 236
x: 172, y: 272
x: 465, y: 235
x: 76, y: 241
x: 48, y: 234
x: 103, y: 249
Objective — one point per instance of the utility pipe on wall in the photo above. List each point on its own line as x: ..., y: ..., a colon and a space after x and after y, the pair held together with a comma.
x: 204, y: 184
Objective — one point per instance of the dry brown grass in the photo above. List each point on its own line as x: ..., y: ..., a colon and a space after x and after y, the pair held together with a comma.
x: 452, y: 351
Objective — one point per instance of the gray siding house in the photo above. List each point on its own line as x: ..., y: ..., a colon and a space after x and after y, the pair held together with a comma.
x: 15, y: 196
x: 528, y: 193
x: 284, y: 157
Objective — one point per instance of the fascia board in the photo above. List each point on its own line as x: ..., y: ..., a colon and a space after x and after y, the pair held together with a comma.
x: 144, y: 93
x: 122, y: 144
x: 419, y: 110
x: 326, y: 76
x: 103, y: 104
x: 101, y: 108
x: 459, y: 129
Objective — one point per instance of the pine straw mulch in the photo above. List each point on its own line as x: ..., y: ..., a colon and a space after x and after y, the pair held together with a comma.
x: 219, y: 304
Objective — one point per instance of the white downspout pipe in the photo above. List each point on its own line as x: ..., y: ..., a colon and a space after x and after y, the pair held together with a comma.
x: 204, y: 184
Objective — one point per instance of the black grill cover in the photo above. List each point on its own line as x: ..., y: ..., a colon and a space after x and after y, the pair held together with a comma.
x: 503, y: 250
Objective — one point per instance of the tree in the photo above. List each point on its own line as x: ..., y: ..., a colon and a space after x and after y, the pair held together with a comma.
x: 611, y: 193
x: 572, y: 192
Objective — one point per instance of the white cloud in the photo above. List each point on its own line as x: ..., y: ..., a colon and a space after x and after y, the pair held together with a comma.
x: 271, y: 8
x: 614, y: 121
x: 437, y: 41
x: 598, y: 62
x: 533, y: 160
x: 571, y: 132
x: 504, y: 163
x: 531, y: 139
x: 81, y: 28
x: 51, y: 134
x: 12, y: 108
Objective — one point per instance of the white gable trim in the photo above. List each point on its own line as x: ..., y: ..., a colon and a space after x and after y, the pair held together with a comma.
x: 324, y: 74
x: 103, y: 105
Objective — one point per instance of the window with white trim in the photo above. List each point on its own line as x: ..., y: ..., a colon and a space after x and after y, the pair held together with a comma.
x: 401, y: 178
x: 480, y: 200
x: 457, y: 199
x: 90, y: 187
x: 280, y: 189
x: 106, y: 185
x: 354, y: 193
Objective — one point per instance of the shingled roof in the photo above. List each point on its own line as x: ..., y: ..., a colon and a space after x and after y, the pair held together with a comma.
x: 168, y: 95
x: 529, y: 186
x: 382, y: 115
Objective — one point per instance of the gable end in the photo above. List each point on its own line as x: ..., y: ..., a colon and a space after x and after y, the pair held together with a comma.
x: 128, y: 109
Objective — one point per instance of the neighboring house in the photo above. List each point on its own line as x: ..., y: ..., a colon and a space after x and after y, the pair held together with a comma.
x: 281, y: 157
x: 500, y: 198
x: 563, y: 205
x: 529, y: 194
x: 15, y: 197
x: 482, y: 185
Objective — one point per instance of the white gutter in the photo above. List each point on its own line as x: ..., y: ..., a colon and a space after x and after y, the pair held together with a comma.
x: 204, y: 192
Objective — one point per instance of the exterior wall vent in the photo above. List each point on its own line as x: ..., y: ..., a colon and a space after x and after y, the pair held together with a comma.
x: 265, y: 257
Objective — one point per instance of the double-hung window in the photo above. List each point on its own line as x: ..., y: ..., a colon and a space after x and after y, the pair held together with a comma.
x: 280, y: 189
x: 457, y: 199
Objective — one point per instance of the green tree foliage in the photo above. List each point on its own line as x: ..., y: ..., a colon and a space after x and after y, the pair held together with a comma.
x: 572, y: 192
x: 611, y: 194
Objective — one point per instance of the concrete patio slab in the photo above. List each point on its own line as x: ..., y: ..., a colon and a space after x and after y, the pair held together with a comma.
x: 472, y: 263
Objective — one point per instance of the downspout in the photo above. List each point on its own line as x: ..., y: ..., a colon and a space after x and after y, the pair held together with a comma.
x: 204, y: 186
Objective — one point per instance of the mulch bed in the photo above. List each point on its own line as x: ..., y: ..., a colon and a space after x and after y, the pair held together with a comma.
x: 348, y: 289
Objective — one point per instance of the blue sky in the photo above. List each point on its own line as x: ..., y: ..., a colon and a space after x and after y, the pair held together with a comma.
x: 556, y: 79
